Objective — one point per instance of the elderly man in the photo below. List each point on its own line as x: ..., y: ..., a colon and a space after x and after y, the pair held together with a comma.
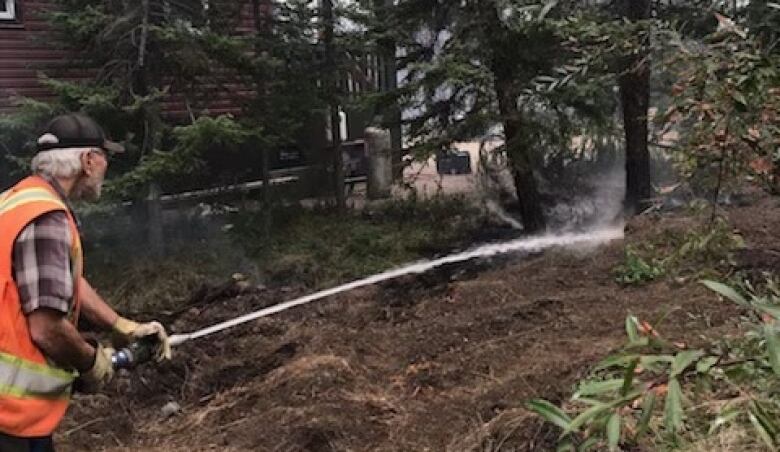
x: 43, y: 289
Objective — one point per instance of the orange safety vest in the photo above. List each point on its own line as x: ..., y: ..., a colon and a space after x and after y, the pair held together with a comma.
x: 34, y: 392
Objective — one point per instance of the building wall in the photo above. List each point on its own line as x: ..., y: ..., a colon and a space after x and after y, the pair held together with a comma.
x: 26, y: 51
x: 23, y: 51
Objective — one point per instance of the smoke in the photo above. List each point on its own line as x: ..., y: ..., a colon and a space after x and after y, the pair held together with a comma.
x: 197, y: 239
x: 586, y: 195
x: 586, y: 202
x: 493, y: 207
x: 595, y: 202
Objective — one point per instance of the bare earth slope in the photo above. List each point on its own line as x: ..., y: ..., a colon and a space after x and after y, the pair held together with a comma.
x: 437, y: 362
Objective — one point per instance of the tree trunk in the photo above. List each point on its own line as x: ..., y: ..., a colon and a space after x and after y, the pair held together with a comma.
x: 634, y: 84
x: 262, y: 14
x: 388, y: 48
x: 143, y: 80
x: 504, y: 71
x: 332, y: 89
x: 522, y: 168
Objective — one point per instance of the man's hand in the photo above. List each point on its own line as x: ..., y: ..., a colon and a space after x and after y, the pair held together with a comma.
x: 133, y: 331
x: 102, y: 315
x: 100, y: 373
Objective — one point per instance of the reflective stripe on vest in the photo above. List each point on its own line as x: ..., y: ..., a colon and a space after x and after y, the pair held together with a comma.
x: 20, y: 378
x: 10, y: 200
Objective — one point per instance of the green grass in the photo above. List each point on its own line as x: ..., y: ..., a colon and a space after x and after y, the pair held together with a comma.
x: 137, y: 283
x: 320, y: 248
x: 314, y: 248
x: 702, y: 252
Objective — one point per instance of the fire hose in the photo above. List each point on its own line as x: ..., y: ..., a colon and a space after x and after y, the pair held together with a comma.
x: 142, y: 351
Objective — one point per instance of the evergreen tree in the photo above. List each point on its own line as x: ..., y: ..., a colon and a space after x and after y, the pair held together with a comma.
x: 280, y: 63
x: 469, y: 66
x: 137, y: 56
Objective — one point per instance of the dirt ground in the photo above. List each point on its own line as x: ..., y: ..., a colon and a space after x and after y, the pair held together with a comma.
x: 443, y: 361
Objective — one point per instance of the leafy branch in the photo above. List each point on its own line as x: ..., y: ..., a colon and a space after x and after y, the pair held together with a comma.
x: 655, y: 391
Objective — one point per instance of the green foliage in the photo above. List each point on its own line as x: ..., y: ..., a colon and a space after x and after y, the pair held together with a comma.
x: 19, y: 131
x: 310, y: 249
x: 636, y: 270
x: 146, y: 54
x: 726, y: 100
x: 723, y: 102
x: 698, y: 251
x: 141, y: 53
x: 461, y: 58
x: 195, y: 144
x: 695, y: 252
x: 321, y: 248
x: 282, y: 63
x: 158, y: 286
x: 471, y: 70
x: 543, y: 72
x: 729, y: 382
x: 16, y: 133
x: 137, y: 45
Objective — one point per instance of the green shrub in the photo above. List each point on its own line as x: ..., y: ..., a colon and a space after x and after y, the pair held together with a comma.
x: 694, y: 253
x: 657, y: 395
x: 637, y: 270
x: 322, y: 247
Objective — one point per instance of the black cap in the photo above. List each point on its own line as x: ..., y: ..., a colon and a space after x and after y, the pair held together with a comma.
x: 75, y: 130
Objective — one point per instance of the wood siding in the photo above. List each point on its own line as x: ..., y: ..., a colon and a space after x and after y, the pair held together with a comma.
x: 24, y: 54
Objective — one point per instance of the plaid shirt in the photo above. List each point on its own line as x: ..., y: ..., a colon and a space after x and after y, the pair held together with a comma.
x: 42, y: 265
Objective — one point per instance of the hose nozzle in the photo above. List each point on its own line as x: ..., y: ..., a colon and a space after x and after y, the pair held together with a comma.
x: 134, y: 354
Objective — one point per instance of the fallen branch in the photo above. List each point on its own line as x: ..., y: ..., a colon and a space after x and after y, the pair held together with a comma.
x: 83, y: 426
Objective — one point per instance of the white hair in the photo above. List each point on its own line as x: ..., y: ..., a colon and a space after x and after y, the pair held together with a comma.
x: 63, y: 163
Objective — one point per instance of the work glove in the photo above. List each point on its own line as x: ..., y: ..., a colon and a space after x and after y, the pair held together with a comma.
x: 99, y: 374
x: 132, y: 331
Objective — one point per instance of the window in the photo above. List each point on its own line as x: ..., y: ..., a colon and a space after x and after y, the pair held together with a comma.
x: 7, y: 10
x: 187, y: 11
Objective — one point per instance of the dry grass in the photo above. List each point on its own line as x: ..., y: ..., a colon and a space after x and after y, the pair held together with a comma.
x: 729, y: 439
x: 154, y: 286
x: 504, y: 433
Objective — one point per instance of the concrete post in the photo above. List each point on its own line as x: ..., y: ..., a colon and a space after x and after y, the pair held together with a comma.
x: 380, y: 162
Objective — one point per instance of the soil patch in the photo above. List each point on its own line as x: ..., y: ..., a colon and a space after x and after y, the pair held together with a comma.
x: 434, y: 362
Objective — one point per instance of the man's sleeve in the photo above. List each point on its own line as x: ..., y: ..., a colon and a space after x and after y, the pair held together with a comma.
x: 42, y: 266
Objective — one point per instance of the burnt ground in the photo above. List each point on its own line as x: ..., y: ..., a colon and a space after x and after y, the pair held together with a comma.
x: 438, y: 362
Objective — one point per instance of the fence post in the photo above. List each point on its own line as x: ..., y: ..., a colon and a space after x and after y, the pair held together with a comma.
x: 380, y: 162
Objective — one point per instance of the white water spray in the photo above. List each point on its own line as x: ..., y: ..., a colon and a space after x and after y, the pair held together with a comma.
x: 498, y: 211
x: 531, y: 244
